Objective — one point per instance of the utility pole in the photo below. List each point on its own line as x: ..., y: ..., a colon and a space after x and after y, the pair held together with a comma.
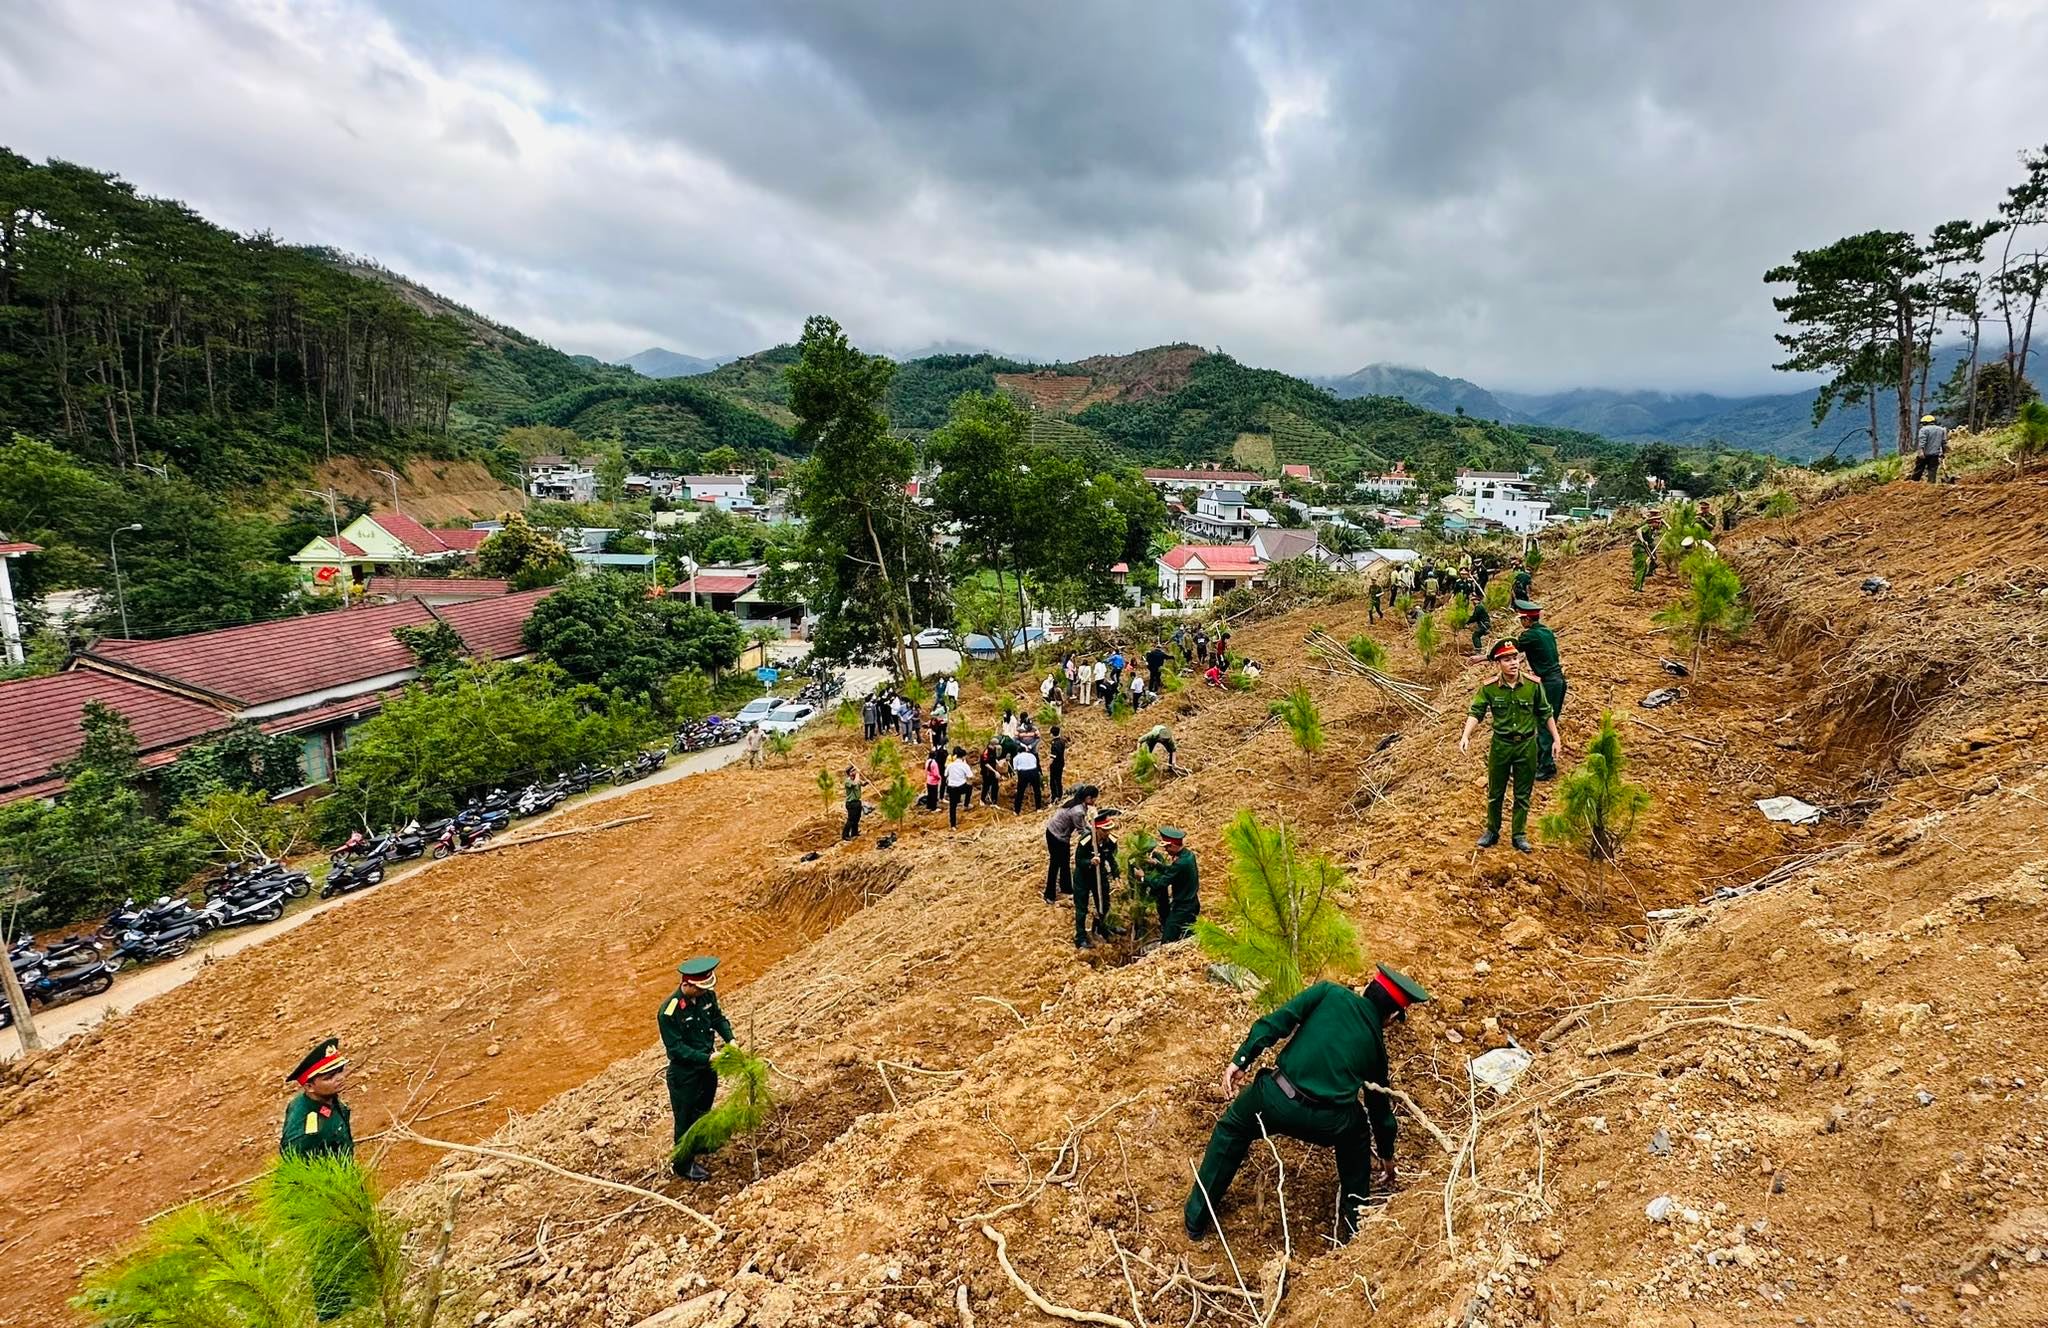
x: 394, y: 488
x: 17, y: 999
x: 120, y: 599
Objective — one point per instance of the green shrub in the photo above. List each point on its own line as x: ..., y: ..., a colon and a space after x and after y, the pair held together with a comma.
x: 885, y: 758
x: 1780, y: 505
x: 828, y: 788
x: 1048, y: 715
x: 1459, y: 613
x: 1598, y: 808
x: 744, y: 1108
x: 1499, y: 590
x: 1404, y: 604
x: 1367, y: 651
x: 1681, y: 523
x: 1533, y: 559
x: 2033, y: 429
x: 1280, y: 918
x: 1145, y: 768
x: 779, y: 745
x: 847, y: 714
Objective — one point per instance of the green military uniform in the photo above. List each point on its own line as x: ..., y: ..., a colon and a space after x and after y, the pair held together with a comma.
x: 316, y: 1129
x: 689, y: 1027
x: 1095, y: 869
x: 1518, y: 715
x: 317, y: 1126
x: 1523, y: 576
x: 1312, y: 1091
x: 1538, y: 645
x: 1482, y: 623
x: 1175, y: 889
x: 1159, y: 735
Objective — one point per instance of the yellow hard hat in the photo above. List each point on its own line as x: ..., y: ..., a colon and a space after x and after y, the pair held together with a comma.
x: 1927, y: 419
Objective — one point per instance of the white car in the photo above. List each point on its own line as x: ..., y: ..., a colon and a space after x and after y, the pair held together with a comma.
x: 756, y: 710
x: 931, y: 638
x: 788, y: 717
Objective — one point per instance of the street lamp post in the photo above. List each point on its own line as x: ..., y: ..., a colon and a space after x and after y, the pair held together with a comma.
x: 333, y: 518
x: 114, y: 556
x: 394, y: 487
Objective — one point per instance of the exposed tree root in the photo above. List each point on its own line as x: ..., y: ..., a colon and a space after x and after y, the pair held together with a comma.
x: 1043, y: 1305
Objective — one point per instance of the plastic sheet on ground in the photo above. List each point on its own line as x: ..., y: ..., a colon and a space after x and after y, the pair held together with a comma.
x: 1500, y: 1068
x: 1790, y: 810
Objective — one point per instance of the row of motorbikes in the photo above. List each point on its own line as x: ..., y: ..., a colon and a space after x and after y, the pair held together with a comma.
x: 711, y: 731
x: 74, y: 966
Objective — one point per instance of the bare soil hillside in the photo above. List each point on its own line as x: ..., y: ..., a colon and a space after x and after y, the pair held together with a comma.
x: 1138, y: 376
x: 435, y: 493
x: 1830, y: 1081
x: 1815, y: 1101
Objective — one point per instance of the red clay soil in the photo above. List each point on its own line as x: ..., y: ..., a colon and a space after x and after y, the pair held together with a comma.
x: 1859, y: 1139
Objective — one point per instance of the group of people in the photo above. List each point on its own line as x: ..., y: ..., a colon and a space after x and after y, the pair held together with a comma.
x: 1081, y: 861
x: 1105, y: 679
x: 887, y: 712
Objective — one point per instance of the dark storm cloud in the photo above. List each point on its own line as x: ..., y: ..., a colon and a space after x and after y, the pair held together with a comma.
x: 1529, y: 195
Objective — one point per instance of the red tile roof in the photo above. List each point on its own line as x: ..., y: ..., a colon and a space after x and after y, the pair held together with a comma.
x: 1212, y: 476
x: 345, y: 708
x: 41, y: 729
x: 715, y: 584
x: 491, y: 627
x: 468, y: 540
x: 438, y: 587
x: 7, y: 549
x: 348, y: 546
x: 272, y: 661
x: 1297, y: 472
x: 1215, y: 557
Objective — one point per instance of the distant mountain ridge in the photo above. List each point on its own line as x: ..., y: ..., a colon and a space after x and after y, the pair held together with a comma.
x: 657, y: 362
x: 1777, y: 422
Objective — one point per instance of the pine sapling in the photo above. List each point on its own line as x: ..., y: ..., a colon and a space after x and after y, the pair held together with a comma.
x: 1459, y: 613
x: 1498, y: 591
x: 746, y: 1105
x: 1597, y: 807
x: 780, y: 745
x: 885, y: 758
x: 1367, y: 651
x: 828, y: 788
x: 1281, y: 919
x: 1304, y: 721
x: 1427, y: 638
x: 1145, y: 768
x: 896, y: 800
x: 1709, y: 601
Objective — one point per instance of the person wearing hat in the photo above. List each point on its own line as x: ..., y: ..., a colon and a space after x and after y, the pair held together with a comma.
x: 1481, y: 621
x: 1160, y: 735
x: 1933, y: 443
x: 1519, y: 708
x: 316, y: 1123
x: 1336, y: 1046
x: 691, y: 1023
x: 1523, y: 578
x: 1174, y: 884
x: 1095, y: 868
x: 1538, y: 645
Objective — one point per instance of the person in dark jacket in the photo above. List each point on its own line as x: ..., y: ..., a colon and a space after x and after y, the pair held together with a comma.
x: 1336, y: 1049
x: 1173, y: 883
x: 1095, y: 869
x: 691, y: 1023
x: 316, y: 1124
x: 1059, y: 841
x: 1057, y: 772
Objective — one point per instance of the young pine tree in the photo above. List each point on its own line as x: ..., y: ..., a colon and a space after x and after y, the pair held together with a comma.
x: 1367, y: 651
x: 896, y: 800
x: 1427, y: 639
x: 1280, y: 919
x: 828, y: 788
x: 1597, y: 807
x: 744, y: 1108
x: 1145, y: 768
x: 1304, y: 720
x: 1709, y: 601
x: 780, y: 745
x: 1459, y: 613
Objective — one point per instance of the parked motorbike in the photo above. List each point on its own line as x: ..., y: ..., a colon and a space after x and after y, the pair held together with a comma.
x: 456, y: 838
x: 409, y: 842
x: 641, y: 766
x: 536, y: 798
x: 48, y: 986
x: 246, y: 907
x: 165, y: 914
x: 25, y: 954
x: 584, y: 778
x: 349, y: 876
x: 146, y: 945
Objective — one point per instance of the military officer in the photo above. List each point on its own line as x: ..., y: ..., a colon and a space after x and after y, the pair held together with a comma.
x: 1336, y: 1045
x: 1174, y: 884
x: 316, y: 1122
x: 1538, y: 645
x: 691, y: 1023
x: 1518, y: 707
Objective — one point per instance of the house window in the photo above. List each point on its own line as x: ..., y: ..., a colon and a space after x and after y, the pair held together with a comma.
x: 1225, y: 587
x: 1191, y: 589
x: 315, y: 765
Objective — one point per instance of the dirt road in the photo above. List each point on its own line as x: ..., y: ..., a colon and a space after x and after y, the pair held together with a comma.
x: 138, y: 985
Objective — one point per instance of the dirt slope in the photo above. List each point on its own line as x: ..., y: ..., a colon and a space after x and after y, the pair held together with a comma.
x: 947, y: 1059
x: 435, y: 493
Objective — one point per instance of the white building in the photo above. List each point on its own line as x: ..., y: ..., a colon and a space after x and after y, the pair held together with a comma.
x: 1220, y: 514
x: 1171, y: 480
x: 713, y: 488
x: 1393, y: 487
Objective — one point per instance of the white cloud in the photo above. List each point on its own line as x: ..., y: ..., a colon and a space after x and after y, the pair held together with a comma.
x: 1531, y: 197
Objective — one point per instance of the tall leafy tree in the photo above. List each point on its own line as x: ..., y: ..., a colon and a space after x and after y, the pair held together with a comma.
x: 526, y: 557
x: 864, y: 542
x: 607, y: 631
x: 2023, y: 276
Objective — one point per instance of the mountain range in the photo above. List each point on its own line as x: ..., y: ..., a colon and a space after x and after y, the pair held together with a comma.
x: 1777, y: 422
x: 657, y: 362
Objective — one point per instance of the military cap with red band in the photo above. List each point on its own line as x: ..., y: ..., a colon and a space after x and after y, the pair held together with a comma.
x: 324, y: 1058
x: 1403, y: 990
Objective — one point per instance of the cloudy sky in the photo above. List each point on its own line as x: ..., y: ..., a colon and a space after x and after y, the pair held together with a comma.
x: 1579, y: 192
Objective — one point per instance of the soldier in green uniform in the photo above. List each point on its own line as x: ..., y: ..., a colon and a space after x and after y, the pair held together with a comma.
x: 690, y: 1023
x: 1523, y: 576
x: 1518, y: 707
x: 1173, y: 882
x: 316, y: 1122
x: 1311, y: 1093
x: 1538, y: 645
x: 1481, y: 623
